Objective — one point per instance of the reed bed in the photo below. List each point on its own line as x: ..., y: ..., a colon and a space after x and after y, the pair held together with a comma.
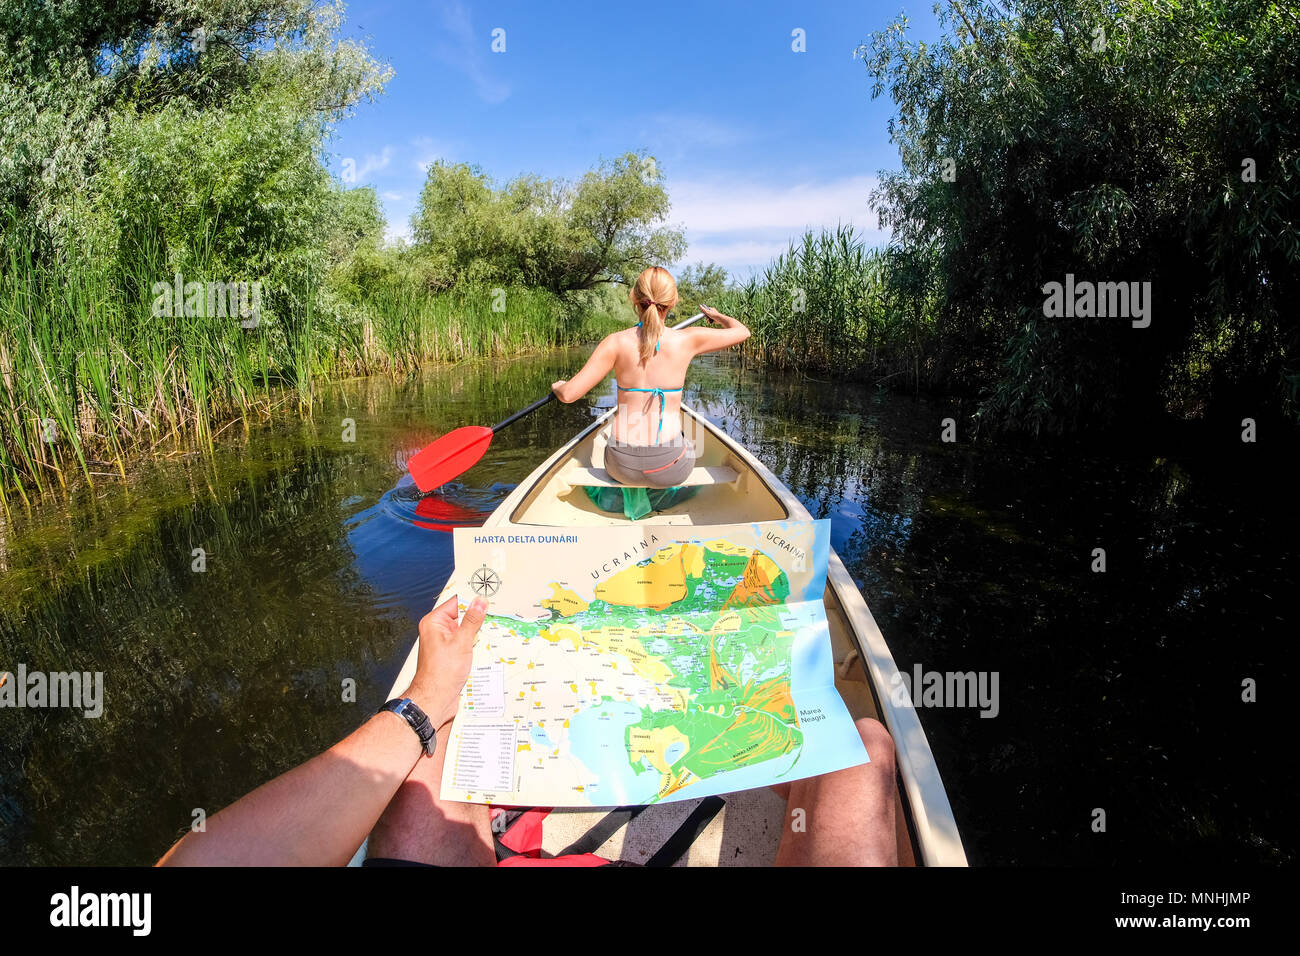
x: 90, y: 376
x: 831, y: 304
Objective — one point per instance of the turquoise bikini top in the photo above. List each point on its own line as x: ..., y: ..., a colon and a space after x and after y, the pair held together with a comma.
x: 655, y: 392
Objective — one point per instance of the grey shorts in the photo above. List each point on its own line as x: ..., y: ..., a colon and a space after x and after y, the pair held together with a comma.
x: 651, y: 466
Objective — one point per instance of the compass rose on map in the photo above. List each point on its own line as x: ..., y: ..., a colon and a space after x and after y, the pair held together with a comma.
x: 485, y: 581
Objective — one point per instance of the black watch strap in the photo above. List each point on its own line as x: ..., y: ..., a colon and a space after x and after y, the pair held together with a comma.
x: 406, y: 708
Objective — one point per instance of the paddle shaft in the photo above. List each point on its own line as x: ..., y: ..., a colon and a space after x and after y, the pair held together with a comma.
x: 551, y: 396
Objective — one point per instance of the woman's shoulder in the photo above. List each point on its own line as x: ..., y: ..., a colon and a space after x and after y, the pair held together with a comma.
x: 618, y: 338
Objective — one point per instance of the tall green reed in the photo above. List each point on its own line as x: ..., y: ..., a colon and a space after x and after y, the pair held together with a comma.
x: 92, y: 374
x: 831, y: 304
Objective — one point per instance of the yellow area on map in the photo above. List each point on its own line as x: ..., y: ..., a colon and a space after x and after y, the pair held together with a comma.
x: 561, y: 632
x: 726, y: 623
x: 671, y: 783
x: 653, y: 745
x: 622, y: 641
x: 564, y: 601
x: 657, y: 585
x: 625, y: 643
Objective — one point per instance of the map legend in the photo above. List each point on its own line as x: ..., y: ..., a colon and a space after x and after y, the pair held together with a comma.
x: 485, y: 691
x: 485, y: 758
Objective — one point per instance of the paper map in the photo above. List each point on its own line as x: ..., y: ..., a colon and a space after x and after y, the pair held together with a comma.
x: 627, y: 665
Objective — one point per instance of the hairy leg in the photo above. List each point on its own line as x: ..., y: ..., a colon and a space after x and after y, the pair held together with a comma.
x: 419, y: 827
x: 848, y: 815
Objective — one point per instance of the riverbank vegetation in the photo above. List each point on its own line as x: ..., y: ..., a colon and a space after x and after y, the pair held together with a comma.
x: 1150, y: 151
x: 1135, y: 143
x: 175, y: 255
x: 832, y: 305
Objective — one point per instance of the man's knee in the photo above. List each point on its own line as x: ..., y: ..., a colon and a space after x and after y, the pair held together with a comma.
x: 880, y: 746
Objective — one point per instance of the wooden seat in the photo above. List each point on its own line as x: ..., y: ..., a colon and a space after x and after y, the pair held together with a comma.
x: 576, y: 476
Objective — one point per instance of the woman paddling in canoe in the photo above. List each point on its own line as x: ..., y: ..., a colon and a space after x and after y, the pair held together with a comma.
x: 647, y: 447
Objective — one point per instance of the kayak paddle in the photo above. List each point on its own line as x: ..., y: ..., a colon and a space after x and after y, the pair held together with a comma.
x: 458, y: 451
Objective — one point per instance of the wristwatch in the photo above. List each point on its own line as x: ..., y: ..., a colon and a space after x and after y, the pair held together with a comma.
x: 406, y: 708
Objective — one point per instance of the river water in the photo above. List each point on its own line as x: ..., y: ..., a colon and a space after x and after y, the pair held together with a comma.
x: 1118, y: 691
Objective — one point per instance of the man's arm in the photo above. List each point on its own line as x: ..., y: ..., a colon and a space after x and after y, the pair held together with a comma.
x: 319, y: 813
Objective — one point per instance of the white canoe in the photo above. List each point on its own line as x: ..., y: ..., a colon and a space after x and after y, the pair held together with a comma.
x: 735, y: 487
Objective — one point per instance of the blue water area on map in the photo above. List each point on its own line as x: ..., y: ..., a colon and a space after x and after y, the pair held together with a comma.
x: 812, y: 662
x: 673, y: 751
x: 538, y: 736
x: 598, y: 738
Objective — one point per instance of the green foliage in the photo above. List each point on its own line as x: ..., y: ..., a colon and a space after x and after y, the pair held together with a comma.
x: 88, y: 375
x: 405, y: 325
x: 699, y: 283
x: 548, y: 234
x: 830, y: 303
x: 142, y: 141
x: 1104, y: 139
x: 219, y: 105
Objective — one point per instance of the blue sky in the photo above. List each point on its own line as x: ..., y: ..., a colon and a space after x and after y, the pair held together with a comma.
x: 756, y: 141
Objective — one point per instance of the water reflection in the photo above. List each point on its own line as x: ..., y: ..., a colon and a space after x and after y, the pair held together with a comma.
x: 1119, y: 690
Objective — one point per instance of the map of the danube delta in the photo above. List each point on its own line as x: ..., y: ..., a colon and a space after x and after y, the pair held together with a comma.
x: 639, y: 664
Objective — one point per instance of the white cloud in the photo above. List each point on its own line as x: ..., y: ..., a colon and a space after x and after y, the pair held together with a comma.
x: 730, y: 206
x: 395, y: 231
x: 693, y: 130
x: 427, y: 151
x: 743, y: 226
x: 391, y: 196
x: 372, y: 163
x: 468, y: 52
x: 739, y: 256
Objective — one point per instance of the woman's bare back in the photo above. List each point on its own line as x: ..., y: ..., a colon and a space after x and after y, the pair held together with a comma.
x: 638, y: 416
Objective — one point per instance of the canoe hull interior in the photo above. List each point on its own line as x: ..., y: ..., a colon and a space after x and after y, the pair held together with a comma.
x: 552, y: 497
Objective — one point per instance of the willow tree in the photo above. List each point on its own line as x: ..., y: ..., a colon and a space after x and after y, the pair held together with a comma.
x: 546, y: 233
x: 192, y: 127
x: 1111, y: 140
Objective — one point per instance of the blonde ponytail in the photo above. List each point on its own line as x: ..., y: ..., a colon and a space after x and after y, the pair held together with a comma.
x: 652, y: 325
x: 654, y: 293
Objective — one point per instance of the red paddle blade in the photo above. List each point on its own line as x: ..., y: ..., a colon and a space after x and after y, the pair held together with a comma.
x: 439, y: 514
x: 451, y: 455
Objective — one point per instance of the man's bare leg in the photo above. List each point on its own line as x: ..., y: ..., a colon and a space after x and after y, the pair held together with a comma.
x: 418, y: 827
x: 848, y: 817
